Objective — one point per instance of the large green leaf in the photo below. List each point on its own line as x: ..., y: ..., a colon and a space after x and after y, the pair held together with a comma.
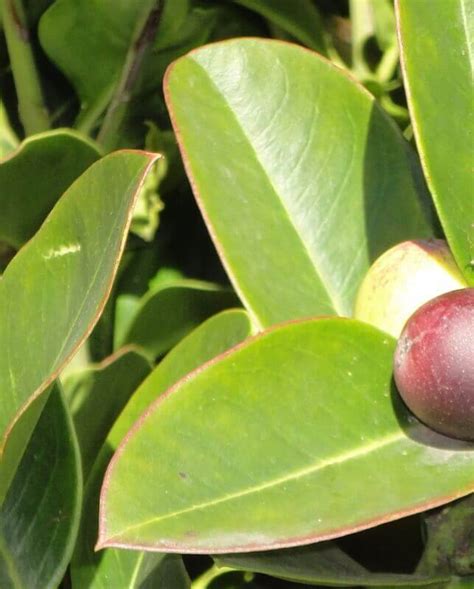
x: 53, y: 291
x: 301, y: 177
x: 97, y: 570
x: 98, y: 394
x: 274, y: 444
x: 34, y: 177
x: 165, y: 316
x: 437, y: 51
x: 321, y: 564
x: 300, y: 19
x: 40, y: 516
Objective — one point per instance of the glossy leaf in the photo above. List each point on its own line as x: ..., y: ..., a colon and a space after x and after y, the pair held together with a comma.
x: 40, y: 516
x: 53, y: 291
x: 217, y: 334
x: 98, y: 394
x: 321, y: 564
x: 301, y: 19
x: 437, y: 51
x: 302, y: 179
x: 34, y: 177
x: 273, y: 445
x: 165, y: 316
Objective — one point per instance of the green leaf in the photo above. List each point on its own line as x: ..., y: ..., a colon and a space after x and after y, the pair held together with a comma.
x: 437, y: 51
x: 273, y: 445
x: 40, y: 516
x: 320, y: 564
x: 217, y: 334
x: 301, y: 19
x: 133, y: 56
x: 107, y: 29
x: 34, y: 177
x: 98, y: 394
x: 302, y: 179
x: 165, y: 316
x: 53, y: 291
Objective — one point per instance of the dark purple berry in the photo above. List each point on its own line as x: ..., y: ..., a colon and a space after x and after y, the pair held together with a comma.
x: 434, y: 364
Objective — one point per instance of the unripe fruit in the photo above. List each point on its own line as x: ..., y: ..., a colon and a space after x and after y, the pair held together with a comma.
x: 402, y: 279
x: 434, y: 364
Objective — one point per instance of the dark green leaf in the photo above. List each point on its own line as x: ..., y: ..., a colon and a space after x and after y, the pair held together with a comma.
x: 301, y: 19
x: 132, y: 61
x: 34, y: 177
x: 98, y: 394
x: 165, y: 316
x: 450, y: 544
x: 320, y: 564
x: 40, y: 516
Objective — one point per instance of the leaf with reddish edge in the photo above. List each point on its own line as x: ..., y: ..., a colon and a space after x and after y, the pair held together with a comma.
x: 55, y: 288
x: 99, y: 570
x: 436, y: 46
x: 301, y: 177
x: 274, y: 443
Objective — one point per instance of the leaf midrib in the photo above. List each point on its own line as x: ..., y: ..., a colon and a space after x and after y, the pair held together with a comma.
x: 358, y: 452
x: 333, y: 299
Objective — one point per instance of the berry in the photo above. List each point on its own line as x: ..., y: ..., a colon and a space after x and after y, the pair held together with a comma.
x: 434, y: 364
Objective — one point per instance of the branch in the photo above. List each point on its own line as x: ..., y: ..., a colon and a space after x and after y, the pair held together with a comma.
x: 31, y: 106
x: 117, y: 109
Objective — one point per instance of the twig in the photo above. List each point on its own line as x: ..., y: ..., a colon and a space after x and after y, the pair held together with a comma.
x: 115, y: 114
x: 31, y: 107
x: 205, y: 579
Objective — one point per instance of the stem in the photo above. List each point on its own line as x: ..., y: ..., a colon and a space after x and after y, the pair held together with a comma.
x: 31, y: 107
x: 87, y: 120
x: 398, y: 112
x: 207, y: 577
x: 388, y: 64
x: 141, y: 42
x: 362, y: 28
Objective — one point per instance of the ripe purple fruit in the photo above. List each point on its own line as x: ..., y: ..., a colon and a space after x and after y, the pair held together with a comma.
x: 434, y: 364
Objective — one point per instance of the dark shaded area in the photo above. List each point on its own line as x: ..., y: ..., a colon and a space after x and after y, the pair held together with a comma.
x: 337, y: 7
x: 197, y: 564
x: 419, y: 432
x: 395, y: 547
